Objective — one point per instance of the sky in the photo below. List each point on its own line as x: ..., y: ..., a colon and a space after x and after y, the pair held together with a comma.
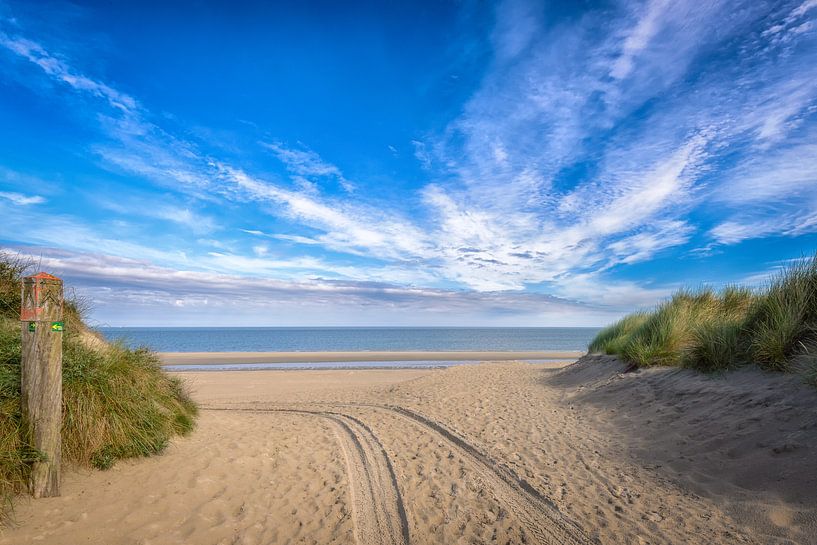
x: 517, y: 163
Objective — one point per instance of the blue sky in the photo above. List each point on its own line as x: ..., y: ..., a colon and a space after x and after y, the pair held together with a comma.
x: 448, y: 163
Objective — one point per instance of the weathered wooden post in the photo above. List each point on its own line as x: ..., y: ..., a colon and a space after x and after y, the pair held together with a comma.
x: 42, y: 326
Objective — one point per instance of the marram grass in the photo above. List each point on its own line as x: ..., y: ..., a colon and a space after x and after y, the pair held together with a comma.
x: 611, y: 339
x: 774, y: 327
x: 117, y: 402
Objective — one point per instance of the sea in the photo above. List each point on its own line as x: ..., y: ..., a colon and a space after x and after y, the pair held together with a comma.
x: 352, y: 339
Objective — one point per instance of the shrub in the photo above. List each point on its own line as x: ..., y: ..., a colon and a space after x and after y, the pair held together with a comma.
x: 709, y: 331
x: 117, y: 402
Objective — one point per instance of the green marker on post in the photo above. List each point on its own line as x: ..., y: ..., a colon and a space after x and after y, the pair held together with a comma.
x: 57, y: 326
x: 32, y: 326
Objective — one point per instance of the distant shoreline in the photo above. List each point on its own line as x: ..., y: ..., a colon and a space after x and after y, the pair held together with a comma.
x: 220, y: 358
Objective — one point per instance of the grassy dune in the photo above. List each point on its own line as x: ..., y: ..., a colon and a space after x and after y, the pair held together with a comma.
x: 774, y: 327
x: 117, y: 403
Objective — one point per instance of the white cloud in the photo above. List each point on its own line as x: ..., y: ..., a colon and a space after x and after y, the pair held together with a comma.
x: 645, y: 244
x: 771, y: 194
x: 20, y: 199
x: 639, y: 37
x: 305, y: 162
x: 143, y: 207
x: 125, y: 289
x: 518, y: 22
x: 788, y: 173
x: 260, y: 250
x: 804, y: 8
x: 347, y: 226
x: 592, y: 287
x: 731, y: 232
x: 197, y: 223
x: 61, y: 71
x: 788, y: 223
x: 421, y: 153
x: 783, y: 108
x: 634, y: 201
x: 296, y: 238
x: 212, y: 242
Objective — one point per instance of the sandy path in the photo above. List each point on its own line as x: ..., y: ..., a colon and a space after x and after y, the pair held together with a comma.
x: 496, y: 453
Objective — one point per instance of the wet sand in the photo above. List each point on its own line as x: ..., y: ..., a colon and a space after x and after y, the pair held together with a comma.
x: 216, y: 358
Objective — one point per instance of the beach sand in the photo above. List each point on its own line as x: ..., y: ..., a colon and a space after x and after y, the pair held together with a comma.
x: 492, y: 453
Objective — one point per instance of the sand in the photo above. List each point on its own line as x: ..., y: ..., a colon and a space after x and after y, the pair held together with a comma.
x: 491, y: 453
x: 218, y: 358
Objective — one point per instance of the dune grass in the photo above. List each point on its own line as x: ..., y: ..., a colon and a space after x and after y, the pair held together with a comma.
x: 612, y: 338
x: 774, y: 327
x: 117, y: 402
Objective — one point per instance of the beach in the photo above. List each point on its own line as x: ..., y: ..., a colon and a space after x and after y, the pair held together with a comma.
x: 501, y: 452
x: 511, y: 272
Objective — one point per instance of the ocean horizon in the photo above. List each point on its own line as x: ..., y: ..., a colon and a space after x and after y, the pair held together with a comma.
x: 363, y: 339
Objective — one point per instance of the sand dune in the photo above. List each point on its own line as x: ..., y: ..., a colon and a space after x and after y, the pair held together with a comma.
x: 499, y: 452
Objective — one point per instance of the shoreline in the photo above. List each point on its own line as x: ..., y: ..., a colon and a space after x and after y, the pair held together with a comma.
x: 222, y: 358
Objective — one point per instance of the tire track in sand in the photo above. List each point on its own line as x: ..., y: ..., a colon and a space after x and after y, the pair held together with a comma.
x: 378, y: 513
x: 539, y: 514
x: 536, y: 511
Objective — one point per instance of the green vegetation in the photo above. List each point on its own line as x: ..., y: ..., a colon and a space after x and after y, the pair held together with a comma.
x: 775, y: 327
x: 611, y: 339
x: 117, y: 403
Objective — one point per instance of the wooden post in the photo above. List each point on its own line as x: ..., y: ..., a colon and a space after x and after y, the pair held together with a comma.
x: 42, y: 326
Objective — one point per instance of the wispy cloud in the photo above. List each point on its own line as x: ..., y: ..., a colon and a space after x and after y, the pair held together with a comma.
x: 20, y: 199
x: 62, y: 71
x: 639, y: 37
x: 305, y: 162
x: 785, y: 174
x: 348, y: 226
x: 770, y: 194
x: 421, y: 153
x: 147, y: 208
x: 197, y: 223
x: 122, y: 287
x: 528, y: 124
x: 298, y: 239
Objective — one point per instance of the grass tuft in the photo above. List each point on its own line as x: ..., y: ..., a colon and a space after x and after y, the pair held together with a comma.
x: 805, y: 363
x: 715, y: 346
x: 611, y: 339
x: 784, y: 320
